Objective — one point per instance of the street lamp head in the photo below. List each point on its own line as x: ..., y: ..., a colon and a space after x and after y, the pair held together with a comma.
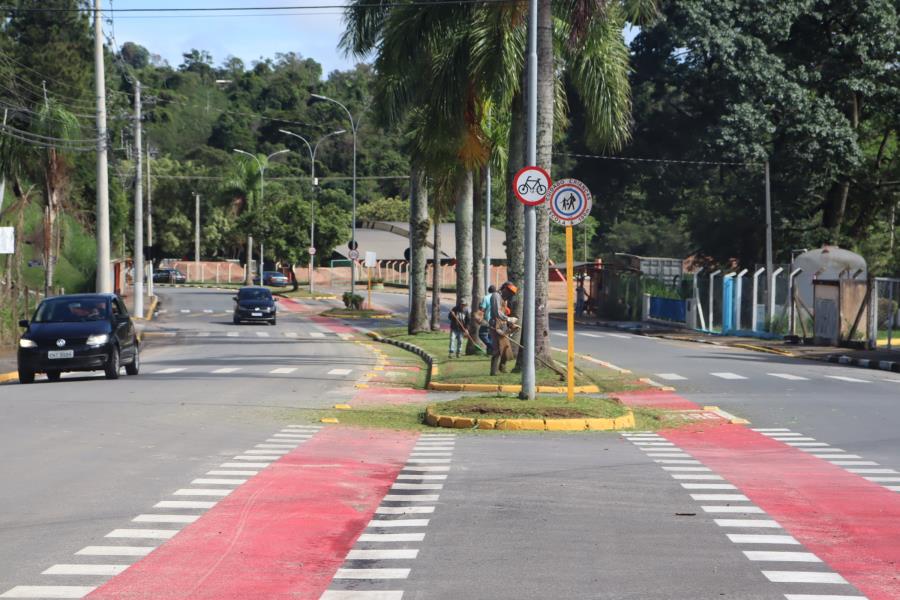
x: 338, y: 132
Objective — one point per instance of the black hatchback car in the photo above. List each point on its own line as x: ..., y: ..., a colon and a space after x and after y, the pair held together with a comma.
x: 78, y: 332
x: 169, y: 276
x: 254, y: 304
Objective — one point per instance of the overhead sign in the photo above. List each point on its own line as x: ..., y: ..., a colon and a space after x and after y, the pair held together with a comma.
x: 354, y: 254
x: 311, y: 250
x: 530, y: 185
x: 370, y: 259
x: 570, y: 202
x: 7, y: 240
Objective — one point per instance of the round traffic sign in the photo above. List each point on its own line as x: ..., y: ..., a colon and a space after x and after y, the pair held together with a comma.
x: 530, y: 185
x: 354, y: 254
x: 352, y: 245
x: 570, y: 202
x: 311, y: 250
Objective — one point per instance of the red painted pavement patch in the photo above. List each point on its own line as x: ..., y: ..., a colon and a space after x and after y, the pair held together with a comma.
x: 656, y: 399
x: 293, y: 306
x: 381, y: 395
x: 850, y: 523
x: 333, y: 324
x: 281, y: 535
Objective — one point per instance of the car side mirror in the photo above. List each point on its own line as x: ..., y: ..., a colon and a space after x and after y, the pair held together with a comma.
x: 23, y: 323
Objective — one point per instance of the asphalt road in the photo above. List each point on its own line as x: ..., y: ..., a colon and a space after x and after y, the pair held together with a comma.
x: 84, y: 455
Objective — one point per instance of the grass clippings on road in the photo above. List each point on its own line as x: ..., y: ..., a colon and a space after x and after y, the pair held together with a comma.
x: 346, y: 313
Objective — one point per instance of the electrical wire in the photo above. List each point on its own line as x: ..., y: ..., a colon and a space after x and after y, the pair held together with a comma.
x: 258, y: 9
x: 664, y: 160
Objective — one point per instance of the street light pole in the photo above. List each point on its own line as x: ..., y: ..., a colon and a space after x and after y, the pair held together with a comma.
x: 262, y: 189
x: 528, y: 375
x: 315, y: 184
x: 138, y: 209
x: 103, y: 281
x: 354, y: 126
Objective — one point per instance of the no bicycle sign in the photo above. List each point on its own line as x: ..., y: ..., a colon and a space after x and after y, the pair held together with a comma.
x: 570, y: 202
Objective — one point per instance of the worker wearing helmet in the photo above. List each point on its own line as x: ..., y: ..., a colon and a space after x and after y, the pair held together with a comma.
x: 502, y: 324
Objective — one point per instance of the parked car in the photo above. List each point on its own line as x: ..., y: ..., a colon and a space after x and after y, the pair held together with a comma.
x: 169, y: 276
x: 273, y: 278
x: 78, y: 332
x: 254, y: 304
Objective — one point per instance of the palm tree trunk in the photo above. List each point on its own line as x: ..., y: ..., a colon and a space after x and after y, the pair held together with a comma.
x: 418, y: 230
x: 436, y: 275
x: 546, y: 97
x: 477, y: 255
x: 463, y: 228
x: 515, y: 211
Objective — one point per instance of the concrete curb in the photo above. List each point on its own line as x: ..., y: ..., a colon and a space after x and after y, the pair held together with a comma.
x: 586, y: 424
x: 325, y: 314
x: 490, y: 387
x: 756, y: 348
x: 429, y: 359
x: 9, y: 377
x: 882, y: 365
x: 154, y: 302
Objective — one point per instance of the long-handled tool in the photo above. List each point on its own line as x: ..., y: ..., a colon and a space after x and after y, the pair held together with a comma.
x: 554, y: 368
x: 465, y: 330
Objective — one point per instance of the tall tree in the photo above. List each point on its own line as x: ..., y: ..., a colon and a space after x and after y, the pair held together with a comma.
x: 418, y: 231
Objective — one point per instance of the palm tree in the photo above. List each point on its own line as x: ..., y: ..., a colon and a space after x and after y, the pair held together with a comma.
x: 418, y: 241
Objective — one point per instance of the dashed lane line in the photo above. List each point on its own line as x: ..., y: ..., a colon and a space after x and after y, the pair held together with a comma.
x: 728, y: 375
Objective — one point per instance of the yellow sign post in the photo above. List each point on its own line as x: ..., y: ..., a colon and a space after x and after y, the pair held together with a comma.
x: 569, y: 202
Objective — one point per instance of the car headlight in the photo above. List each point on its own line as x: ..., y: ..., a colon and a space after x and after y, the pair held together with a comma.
x: 97, y: 340
x: 26, y: 343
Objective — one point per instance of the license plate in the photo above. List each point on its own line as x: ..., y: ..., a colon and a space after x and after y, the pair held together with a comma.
x: 256, y: 314
x: 61, y: 354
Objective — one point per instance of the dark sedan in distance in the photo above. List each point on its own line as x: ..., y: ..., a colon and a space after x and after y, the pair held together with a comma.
x: 254, y: 304
x: 78, y: 332
x: 169, y: 276
x: 273, y: 278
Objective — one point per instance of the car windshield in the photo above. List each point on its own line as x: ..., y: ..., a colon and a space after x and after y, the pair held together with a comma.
x: 70, y: 310
x: 254, y: 294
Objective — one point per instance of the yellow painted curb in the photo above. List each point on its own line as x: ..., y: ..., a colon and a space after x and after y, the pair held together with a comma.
x: 342, y: 406
x: 328, y: 420
x: 626, y: 421
x: 7, y: 377
x: 490, y: 387
x: 151, y: 309
x: 362, y: 385
x: 763, y: 349
x: 730, y: 418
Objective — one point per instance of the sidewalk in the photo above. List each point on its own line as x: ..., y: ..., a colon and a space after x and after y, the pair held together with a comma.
x: 883, y: 359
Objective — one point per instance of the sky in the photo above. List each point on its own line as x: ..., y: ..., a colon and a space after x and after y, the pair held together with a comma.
x: 246, y: 36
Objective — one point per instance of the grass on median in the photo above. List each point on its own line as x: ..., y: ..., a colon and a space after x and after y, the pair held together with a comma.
x: 347, y: 313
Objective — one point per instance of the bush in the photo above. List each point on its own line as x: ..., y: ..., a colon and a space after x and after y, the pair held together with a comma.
x: 885, y: 308
x: 377, y: 280
x: 352, y: 301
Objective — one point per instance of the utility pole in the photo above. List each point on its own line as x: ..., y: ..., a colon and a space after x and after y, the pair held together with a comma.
x: 530, y: 216
x: 138, y: 208
x: 197, y: 234
x: 248, y: 277
x: 149, y: 223
x: 262, y: 252
x: 487, y: 231
x: 770, y: 297
x: 104, y: 281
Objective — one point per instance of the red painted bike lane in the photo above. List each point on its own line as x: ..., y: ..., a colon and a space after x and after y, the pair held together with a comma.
x: 852, y: 524
x: 284, y: 533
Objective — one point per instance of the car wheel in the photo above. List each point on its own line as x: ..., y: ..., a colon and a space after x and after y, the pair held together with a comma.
x: 236, y: 321
x: 26, y: 376
x: 54, y: 375
x: 134, y: 367
x: 272, y: 321
x: 112, y: 366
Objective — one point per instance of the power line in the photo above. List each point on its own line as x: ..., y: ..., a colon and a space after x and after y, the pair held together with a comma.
x: 298, y: 178
x: 256, y: 9
x: 664, y: 160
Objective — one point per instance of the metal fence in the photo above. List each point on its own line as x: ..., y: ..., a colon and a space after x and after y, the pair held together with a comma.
x: 887, y: 315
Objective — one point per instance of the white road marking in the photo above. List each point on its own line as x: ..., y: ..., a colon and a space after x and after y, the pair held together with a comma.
x: 234, y: 473
x: 231, y: 334
x: 853, y: 463
x: 395, y: 554
x: 884, y: 479
x: 200, y: 492
x: 818, y: 451
x: 686, y: 468
x: 797, y: 439
x: 559, y: 333
x: 422, y: 476
x: 270, y: 457
x: 733, y: 509
x: 720, y: 497
x: 828, y: 455
x: 427, y: 454
x: 621, y: 336
x: 340, y: 371
x: 283, y: 370
x: 752, y: 538
x: 185, y: 504
x: 203, y: 334
x: 727, y: 375
x: 391, y: 537
x: 761, y: 429
x: 670, y: 376
x: 207, y: 310
x: 144, y: 534
x: 380, y: 523
x: 372, y: 574
x: 361, y: 595
x: 590, y: 335
x: 788, y: 376
x: 778, y: 556
x: 165, y: 519
x: 696, y: 476
x: 417, y: 486
x: 316, y: 334
x: 255, y: 465
x: 431, y: 448
x: 170, y: 370
x: 185, y: 311
x: 290, y: 334
x: 847, y: 379
x: 708, y: 486
x: 262, y: 334
x: 404, y: 510
x: 821, y: 597
x: 213, y: 481
x: 667, y: 454
x: 345, y: 336
x: 754, y: 523
x: 780, y: 435
x: 279, y: 446
x: 85, y: 570
x: 873, y: 471
x: 806, y: 444
x: 428, y: 460
x: 269, y: 451
x: 227, y: 370
x: 293, y: 436
x: 411, y: 498
x: 49, y: 591
x: 803, y: 577
x: 653, y: 444
x: 115, y: 551
x: 676, y: 461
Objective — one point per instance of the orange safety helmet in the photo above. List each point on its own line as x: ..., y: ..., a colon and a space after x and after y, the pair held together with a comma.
x: 511, y: 287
